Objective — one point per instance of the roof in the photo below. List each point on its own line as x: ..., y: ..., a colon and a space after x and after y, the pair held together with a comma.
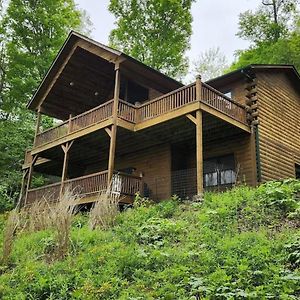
x: 250, y: 69
x: 112, y: 55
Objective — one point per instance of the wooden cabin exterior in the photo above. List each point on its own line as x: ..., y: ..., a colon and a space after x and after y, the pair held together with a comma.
x: 127, y: 126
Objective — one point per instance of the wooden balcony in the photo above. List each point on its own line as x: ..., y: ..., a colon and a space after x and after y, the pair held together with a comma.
x: 212, y: 101
x: 88, y: 187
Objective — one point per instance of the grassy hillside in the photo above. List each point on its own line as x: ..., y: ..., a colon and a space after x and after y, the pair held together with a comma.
x: 242, y: 244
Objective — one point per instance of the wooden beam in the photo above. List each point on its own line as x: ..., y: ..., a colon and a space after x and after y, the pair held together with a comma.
x: 188, y: 108
x: 38, y: 124
x: 199, y: 153
x: 108, y: 131
x: 22, y: 191
x: 113, y: 136
x: 192, y: 118
x: 198, y: 87
x: 57, y: 75
x: 34, y: 159
x: 66, y: 147
x: 112, y: 151
x: 220, y: 115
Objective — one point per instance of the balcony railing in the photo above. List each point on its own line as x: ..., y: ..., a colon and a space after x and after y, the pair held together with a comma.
x: 84, y: 120
x: 167, y: 103
x: 149, y: 110
x: 86, y: 186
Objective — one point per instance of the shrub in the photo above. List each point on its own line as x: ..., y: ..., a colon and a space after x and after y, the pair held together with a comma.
x: 281, y: 195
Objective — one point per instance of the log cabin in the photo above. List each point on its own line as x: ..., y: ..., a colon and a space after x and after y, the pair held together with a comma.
x: 122, y: 124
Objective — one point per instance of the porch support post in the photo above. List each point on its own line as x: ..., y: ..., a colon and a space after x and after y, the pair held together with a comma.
x: 23, y: 187
x: 38, y: 124
x: 113, y: 131
x: 66, y: 147
x: 199, y: 140
x: 199, y: 153
x: 29, y: 178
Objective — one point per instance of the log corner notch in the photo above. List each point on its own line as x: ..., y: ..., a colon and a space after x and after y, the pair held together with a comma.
x: 197, y: 120
x: 252, y: 107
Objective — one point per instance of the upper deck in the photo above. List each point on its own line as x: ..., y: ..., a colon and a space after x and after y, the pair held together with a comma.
x: 138, y: 117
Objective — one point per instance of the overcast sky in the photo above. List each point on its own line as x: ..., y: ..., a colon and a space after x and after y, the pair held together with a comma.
x: 215, y: 24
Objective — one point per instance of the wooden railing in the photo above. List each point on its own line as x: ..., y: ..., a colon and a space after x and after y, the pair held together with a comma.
x: 219, y: 101
x: 48, y: 193
x: 28, y: 157
x: 127, y: 111
x: 130, y: 184
x: 51, y: 134
x: 87, y: 185
x: 166, y: 103
x: 93, y: 116
x: 149, y: 110
x: 90, y: 117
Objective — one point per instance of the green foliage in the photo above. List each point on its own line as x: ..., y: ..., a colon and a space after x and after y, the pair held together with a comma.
x: 223, y: 248
x: 156, y: 32
x: 293, y: 250
x: 274, y: 35
x: 282, y: 195
x: 31, y: 33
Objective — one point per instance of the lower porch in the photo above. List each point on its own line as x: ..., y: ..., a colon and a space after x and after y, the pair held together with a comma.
x: 87, y: 188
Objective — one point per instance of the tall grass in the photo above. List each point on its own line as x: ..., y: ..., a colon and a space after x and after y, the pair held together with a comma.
x: 105, y: 210
x: 42, y: 215
x: 9, y: 235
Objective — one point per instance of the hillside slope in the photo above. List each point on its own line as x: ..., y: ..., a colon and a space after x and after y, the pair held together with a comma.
x: 242, y: 244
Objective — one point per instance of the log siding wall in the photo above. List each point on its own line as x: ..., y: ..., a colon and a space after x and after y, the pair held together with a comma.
x: 279, y: 128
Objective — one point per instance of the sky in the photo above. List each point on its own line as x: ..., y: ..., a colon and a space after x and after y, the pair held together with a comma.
x: 215, y: 24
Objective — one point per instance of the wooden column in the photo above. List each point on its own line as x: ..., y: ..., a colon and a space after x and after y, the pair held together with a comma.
x: 199, y: 153
x: 113, y: 131
x: 29, y: 178
x: 66, y: 147
x: 199, y: 140
x: 23, y: 188
x: 38, y: 124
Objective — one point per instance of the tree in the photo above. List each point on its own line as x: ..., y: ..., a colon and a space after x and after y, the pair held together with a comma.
x: 211, y: 63
x: 274, y: 33
x: 34, y: 31
x: 156, y: 32
x: 31, y: 33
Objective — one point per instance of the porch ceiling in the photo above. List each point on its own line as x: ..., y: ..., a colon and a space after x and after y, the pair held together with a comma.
x: 86, y: 81
x: 92, y: 149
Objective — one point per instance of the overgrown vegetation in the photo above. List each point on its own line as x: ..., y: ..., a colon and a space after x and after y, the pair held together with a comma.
x: 242, y: 244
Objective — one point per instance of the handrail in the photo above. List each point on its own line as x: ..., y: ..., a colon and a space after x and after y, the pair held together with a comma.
x: 128, y: 103
x: 51, y: 128
x: 75, y: 117
x: 85, y: 176
x: 148, y: 110
x: 222, y: 95
x: 126, y: 174
x: 92, y: 109
x: 45, y: 186
x: 166, y: 95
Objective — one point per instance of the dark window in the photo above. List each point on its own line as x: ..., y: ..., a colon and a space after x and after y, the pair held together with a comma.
x: 219, y: 171
x: 297, y: 168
